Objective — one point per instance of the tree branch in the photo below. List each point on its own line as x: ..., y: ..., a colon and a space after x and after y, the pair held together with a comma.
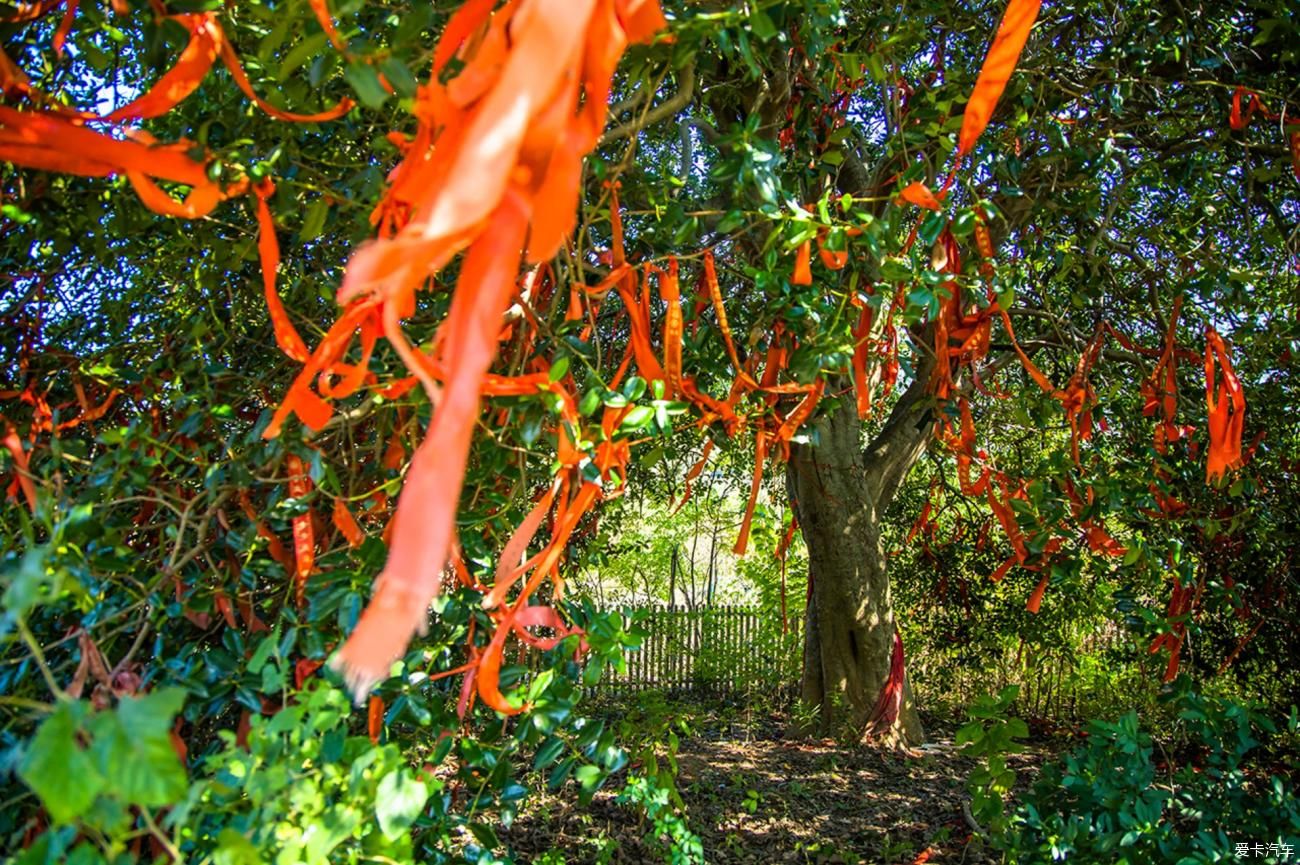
x: 679, y: 100
x: 902, y: 440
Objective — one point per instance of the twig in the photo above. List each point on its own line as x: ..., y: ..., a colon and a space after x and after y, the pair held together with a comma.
x: 26, y: 703
x: 39, y: 656
x: 162, y: 838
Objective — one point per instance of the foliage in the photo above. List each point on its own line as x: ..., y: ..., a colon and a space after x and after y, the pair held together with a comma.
x: 646, y: 547
x: 669, y: 830
x: 93, y: 766
x: 989, y: 737
x: 106, y: 770
x: 305, y: 791
x: 967, y: 636
x: 297, y: 786
x: 1113, y: 800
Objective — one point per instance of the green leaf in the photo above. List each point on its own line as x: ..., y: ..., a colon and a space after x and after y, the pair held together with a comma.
x: 560, y: 773
x: 876, y: 68
x: 547, y: 754
x: 133, y: 747
x: 540, y: 684
x: 195, y: 5
x: 300, y: 54
x: 26, y: 585
x: 399, y: 76
x: 634, y: 387
x: 235, y: 849
x: 588, y: 777
x: 637, y: 418
x: 399, y: 799
x: 365, y: 83
x: 152, y: 714
x: 731, y: 221
x: 559, y: 369
x: 761, y: 25
x: 314, y: 220
x: 590, y: 402
x: 485, y: 835
x: 964, y: 224
x: 894, y: 269
x: 57, y: 769
x: 932, y: 226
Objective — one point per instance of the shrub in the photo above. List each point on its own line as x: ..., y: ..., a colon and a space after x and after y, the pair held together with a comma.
x: 1112, y: 801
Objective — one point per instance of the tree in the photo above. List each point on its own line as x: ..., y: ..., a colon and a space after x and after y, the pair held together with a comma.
x: 1128, y: 164
x: 1071, y: 183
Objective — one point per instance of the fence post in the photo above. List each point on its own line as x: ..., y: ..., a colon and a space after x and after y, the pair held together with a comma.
x: 737, y: 672
x: 732, y: 679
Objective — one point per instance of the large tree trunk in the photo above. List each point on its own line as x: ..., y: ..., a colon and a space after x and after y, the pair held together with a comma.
x: 840, y: 491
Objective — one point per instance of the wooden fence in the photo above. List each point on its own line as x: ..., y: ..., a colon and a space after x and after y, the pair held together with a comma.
x: 733, y: 650
x: 708, y: 649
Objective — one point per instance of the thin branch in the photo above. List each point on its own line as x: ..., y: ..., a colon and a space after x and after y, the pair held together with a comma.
x: 679, y: 100
x: 39, y: 657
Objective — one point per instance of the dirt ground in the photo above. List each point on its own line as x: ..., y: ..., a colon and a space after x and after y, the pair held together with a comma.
x: 771, y: 799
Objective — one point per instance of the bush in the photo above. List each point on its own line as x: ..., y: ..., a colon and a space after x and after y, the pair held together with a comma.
x: 989, y: 736
x: 109, y: 780
x: 1111, y: 801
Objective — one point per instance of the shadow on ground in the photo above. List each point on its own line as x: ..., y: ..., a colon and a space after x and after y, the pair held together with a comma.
x: 777, y: 801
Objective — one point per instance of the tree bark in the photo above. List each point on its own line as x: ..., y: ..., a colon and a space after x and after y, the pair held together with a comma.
x: 840, y: 491
x: 672, y: 577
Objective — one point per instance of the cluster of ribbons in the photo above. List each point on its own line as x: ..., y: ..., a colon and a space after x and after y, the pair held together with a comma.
x: 49, y: 135
x: 1181, y: 602
x: 827, y: 117
x: 961, y: 339
x: 773, y: 424
x: 52, y: 136
x: 1239, y: 118
x: 43, y: 418
x: 510, y: 130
